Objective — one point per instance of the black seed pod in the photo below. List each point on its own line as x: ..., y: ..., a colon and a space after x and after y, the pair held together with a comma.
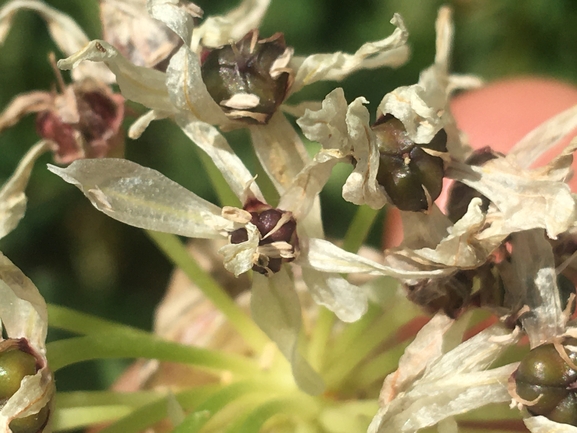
x: 411, y: 176
x: 245, y: 68
x: 545, y: 375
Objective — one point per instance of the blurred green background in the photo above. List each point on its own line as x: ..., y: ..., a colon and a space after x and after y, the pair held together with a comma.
x: 82, y: 259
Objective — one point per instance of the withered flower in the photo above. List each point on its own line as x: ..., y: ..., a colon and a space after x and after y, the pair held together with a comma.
x: 249, y: 79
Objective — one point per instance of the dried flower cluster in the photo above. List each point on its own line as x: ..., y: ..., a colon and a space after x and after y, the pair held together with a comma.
x: 504, y: 241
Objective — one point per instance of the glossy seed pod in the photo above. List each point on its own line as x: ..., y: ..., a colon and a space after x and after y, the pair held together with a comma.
x: 31, y: 424
x: 15, y: 364
x: 543, y: 374
x: 410, y: 173
x: 245, y: 68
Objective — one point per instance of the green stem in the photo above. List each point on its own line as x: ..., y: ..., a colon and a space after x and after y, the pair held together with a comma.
x: 206, y: 410
x: 82, y: 323
x: 135, y: 345
x: 82, y: 417
x: 374, y: 335
x: 376, y: 369
x: 67, y: 400
x: 177, y: 253
x: 287, y: 405
x: 354, y: 238
x: 152, y: 413
x: 225, y: 195
x: 359, y: 228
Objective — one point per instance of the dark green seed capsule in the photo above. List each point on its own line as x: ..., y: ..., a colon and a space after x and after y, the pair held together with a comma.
x: 545, y: 375
x: 245, y: 68
x: 411, y: 176
x: 32, y: 423
x: 14, y: 365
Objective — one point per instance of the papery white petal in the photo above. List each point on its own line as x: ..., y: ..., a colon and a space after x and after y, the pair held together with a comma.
x: 143, y: 85
x: 140, y: 124
x: 245, y: 17
x: 431, y: 390
x: 423, y: 107
x: 346, y: 300
x: 12, y: 197
x: 217, y: 31
x: 362, y: 186
x: 67, y: 35
x: 209, y: 139
x: 525, y: 199
x: 276, y: 309
x: 426, y: 348
x: 460, y: 248
x: 128, y: 26
x: 144, y: 198
x: 22, y: 310
x: 327, y: 125
x: 324, y: 256
x: 239, y: 258
x: 412, y: 106
x: 187, y: 90
x: 544, y: 137
x: 300, y: 196
x: 534, y: 285
x: 540, y: 424
x: 391, y: 51
x: 176, y: 18
x: 23, y: 104
x: 280, y: 150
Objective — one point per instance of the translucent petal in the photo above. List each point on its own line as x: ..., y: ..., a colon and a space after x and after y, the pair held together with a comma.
x: 361, y: 186
x: 174, y: 16
x: 460, y: 248
x: 540, y: 424
x: 391, y: 51
x: 209, y: 139
x: 326, y: 257
x: 187, y: 90
x: 544, y: 137
x: 300, y: 196
x: 276, y: 309
x: 12, y: 197
x: 239, y: 258
x: 534, y: 285
x: 280, y: 150
x: 526, y: 199
x: 67, y: 35
x: 217, y: 31
x: 433, y: 384
x: 346, y: 300
x: 144, y: 198
x: 22, y: 310
x: 143, y: 85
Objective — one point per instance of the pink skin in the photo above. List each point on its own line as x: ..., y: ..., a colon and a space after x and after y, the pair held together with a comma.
x: 499, y: 115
